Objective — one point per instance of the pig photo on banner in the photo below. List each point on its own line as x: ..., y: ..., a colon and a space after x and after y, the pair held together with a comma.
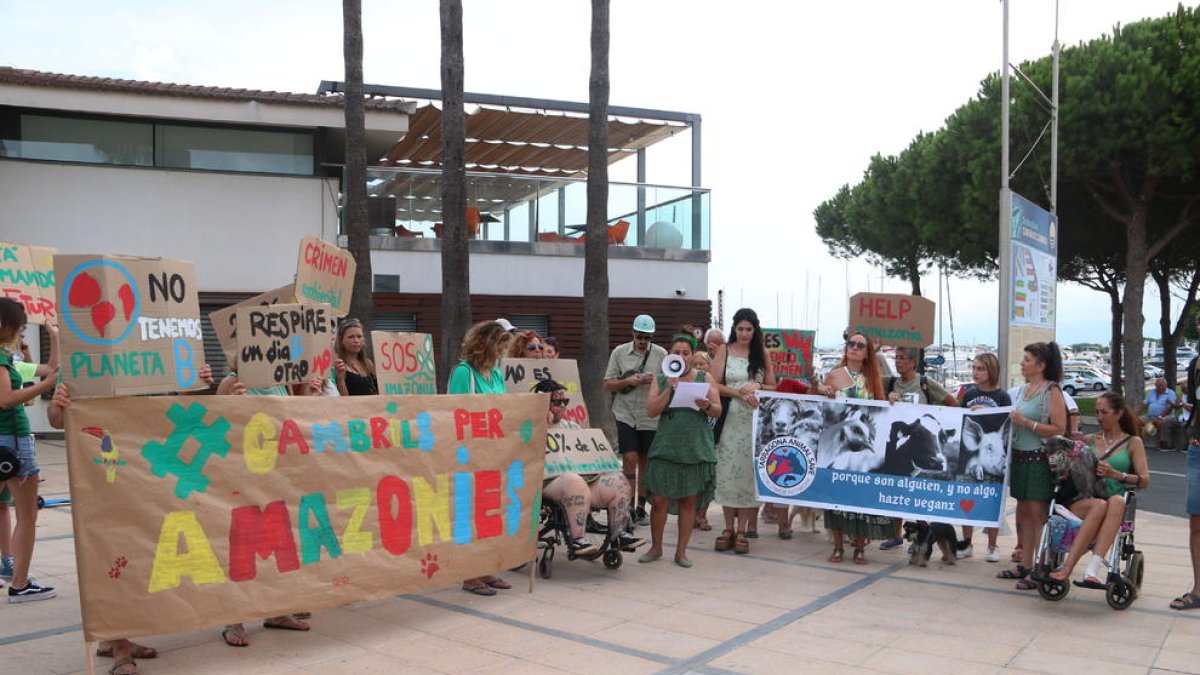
x: 27, y: 276
x: 404, y: 363
x: 324, y: 274
x: 224, y: 320
x: 913, y: 461
x: 521, y: 374
x: 128, y: 326
x: 283, y: 344
x: 193, y: 512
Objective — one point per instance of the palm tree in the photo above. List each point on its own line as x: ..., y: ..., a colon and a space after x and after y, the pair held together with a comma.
x: 456, y: 271
x: 595, y: 269
x: 358, y: 234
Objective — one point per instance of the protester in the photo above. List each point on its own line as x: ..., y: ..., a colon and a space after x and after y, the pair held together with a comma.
x: 631, y: 368
x: 1040, y: 412
x: 702, y: 362
x: 714, y: 339
x: 856, y: 376
x: 550, y: 344
x: 579, y: 494
x: 526, y: 345
x: 1122, y: 464
x: 15, y: 434
x: 478, y: 372
x: 682, y: 461
x: 1158, y: 414
x: 742, y: 369
x: 1191, y: 599
x: 355, y: 370
x: 985, y: 392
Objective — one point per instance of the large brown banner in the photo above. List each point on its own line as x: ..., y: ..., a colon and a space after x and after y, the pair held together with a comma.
x: 129, y: 325
x: 520, y: 375
x: 192, y: 512
x: 27, y: 276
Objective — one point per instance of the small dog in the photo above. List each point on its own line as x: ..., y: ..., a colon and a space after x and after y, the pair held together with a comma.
x: 1073, y: 460
x: 924, y: 535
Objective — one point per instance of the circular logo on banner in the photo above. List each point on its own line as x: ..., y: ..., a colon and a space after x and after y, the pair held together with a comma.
x: 787, y: 466
x: 674, y: 365
x: 103, y: 323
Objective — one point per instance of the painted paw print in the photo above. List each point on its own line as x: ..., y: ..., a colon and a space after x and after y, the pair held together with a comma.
x: 429, y: 565
x: 341, y: 581
x: 119, y: 564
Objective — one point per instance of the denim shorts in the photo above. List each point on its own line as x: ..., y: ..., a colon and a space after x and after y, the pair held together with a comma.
x: 25, y: 453
x: 1193, y: 474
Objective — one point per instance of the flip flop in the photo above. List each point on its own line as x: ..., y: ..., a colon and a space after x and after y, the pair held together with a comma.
x: 1090, y: 582
x: 285, y: 623
x: 1186, y: 601
x: 1019, y: 573
x: 497, y: 582
x: 125, y: 666
x: 479, y: 588
x: 139, y: 652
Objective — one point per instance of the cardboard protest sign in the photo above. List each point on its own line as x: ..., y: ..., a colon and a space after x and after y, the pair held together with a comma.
x: 129, y: 325
x: 790, y: 351
x: 224, y: 320
x: 404, y: 363
x: 893, y: 319
x: 192, y: 512
x: 283, y: 344
x: 27, y: 276
x: 906, y: 460
x: 324, y: 274
x: 582, y: 451
x: 521, y: 374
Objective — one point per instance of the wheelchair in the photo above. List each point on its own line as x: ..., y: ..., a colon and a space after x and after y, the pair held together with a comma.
x: 1124, y: 562
x: 553, y: 531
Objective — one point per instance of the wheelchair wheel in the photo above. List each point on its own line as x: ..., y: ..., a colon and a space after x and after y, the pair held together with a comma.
x: 41, y: 503
x: 613, y: 559
x: 546, y: 564
x: 1137, y: 568
x: 1121, y: 593
x: 1053, y: 590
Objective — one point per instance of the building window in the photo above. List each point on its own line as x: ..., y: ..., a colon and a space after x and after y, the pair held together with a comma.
x: 65, y: 139
x: 217, y: 149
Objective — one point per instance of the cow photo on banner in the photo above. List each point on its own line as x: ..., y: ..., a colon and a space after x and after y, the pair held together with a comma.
x: 27, y: 276
x: 913, y: 461
x: 283, y: 344
x: 129, y: 325
x: 404, y: 363
x: 191, y: 512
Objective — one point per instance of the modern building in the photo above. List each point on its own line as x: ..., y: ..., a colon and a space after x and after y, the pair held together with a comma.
x: 232, y: 179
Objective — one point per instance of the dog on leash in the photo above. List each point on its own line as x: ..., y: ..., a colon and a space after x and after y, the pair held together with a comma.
x: 924, y: 535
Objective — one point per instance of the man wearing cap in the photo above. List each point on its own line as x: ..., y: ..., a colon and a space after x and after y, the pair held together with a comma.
x: 631, y: 367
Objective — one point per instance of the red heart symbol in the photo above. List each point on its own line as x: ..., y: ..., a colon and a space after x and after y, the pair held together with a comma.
x: 126, y: 295
x: 84, y: 291
x: 102, y: 314
x: 966, y: 505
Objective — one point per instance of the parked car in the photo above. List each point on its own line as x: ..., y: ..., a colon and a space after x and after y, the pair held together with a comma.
x: 1084, y: 379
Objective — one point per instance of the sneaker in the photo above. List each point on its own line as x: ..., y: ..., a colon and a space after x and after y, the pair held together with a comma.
x: 993, y: 554
x: 891, y: 544
x: 627, y: 543
x: 641, y: 518
x: 964, y: 552
x: 30, y: 593
x: 6, y: 568
x: 580, y: 547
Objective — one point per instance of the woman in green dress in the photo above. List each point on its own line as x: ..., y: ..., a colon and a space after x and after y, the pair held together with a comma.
x: 682, y: 462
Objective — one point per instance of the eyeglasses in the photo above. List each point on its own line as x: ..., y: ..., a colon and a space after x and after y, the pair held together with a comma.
x: 555, y: 402
x: 533, y: 348
x: 855, y: 344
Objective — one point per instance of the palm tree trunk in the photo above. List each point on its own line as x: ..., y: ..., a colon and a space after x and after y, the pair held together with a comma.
x: 358, y: 234
x: 456, y: 271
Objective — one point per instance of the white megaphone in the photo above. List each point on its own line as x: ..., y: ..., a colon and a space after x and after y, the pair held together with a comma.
x: 674, y: 366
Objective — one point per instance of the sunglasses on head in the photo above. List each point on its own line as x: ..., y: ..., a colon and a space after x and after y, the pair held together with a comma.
x: 533, y: 348
x: 855, y: 344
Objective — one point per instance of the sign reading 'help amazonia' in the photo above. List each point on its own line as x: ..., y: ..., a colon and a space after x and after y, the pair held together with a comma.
x: 27, y: 276
x: 129, y: 325
x: 193, y: 512
x: 224, y: 320
x: 283, y: 344
x: 325, y: 274
x: 892, y: 319
x: 404, y: 363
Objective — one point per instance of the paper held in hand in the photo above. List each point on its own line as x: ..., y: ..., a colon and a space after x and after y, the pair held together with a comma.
x: 686, y: 394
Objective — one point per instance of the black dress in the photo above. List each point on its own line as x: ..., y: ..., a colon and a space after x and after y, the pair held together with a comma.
x: 361, y: 385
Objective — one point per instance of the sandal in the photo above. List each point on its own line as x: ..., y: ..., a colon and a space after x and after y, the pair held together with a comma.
x: 478, y: 587
x: 785, y: 533
x: 1186, y: 601
x: 285, y: 623
x: 740, y: 545
x: 1090, y: 582
x: 860, y: 556
x: 1020, y: 573
x: 724, y: 542
x: 497, y: 582
x: 125, y: 666
x: 1025, y: 584
x: 234, y: 635
x: 702, y: 524
x: 836, y: 556
x: 1016, y: 555
x: 139, y: 652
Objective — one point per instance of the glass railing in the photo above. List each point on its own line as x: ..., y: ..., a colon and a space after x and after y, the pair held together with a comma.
x: 503, y: 207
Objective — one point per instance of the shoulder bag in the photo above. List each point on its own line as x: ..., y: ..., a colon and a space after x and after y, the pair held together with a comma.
x: 718, y: 422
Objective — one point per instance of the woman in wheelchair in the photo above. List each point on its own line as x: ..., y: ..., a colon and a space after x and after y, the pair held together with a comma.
x: 578, y: 495
x: 1122, y: 466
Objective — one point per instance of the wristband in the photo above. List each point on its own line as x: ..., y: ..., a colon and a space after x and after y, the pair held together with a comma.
x: 1033, y: 428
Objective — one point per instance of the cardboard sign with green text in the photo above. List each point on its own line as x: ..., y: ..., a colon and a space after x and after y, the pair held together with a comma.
x: 27, y: 276
x: 521, y: 374
x: 893, y: 319
x: 790, y: 351
x: 404, y: 363
x: 129, y: 325
x: 581, y: 451
x: 224, y: 320
x: 283, y: 344
x: 197, y: 511
x: 325, y: 274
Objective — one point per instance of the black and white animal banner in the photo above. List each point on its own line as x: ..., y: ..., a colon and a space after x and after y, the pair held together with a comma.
x: 907, y: 460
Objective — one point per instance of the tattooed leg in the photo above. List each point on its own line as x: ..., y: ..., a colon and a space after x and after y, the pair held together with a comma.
x: 571, y: 492
x: 611, y: 491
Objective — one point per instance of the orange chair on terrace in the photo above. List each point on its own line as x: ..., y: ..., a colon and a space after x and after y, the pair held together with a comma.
x: 473, y: 221
x: 616, y: 234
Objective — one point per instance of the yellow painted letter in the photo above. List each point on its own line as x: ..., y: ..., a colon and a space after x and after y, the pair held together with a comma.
x: 199, y: 562
x: 433, y: 508
x: 258, y: 444
x: 354, y: 540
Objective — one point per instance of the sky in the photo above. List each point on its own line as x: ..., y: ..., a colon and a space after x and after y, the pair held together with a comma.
x: 795, y: 97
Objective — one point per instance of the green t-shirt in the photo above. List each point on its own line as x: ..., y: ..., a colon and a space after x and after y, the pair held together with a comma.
x: 13, y: 421
x: 463, y: 374
x: 932, y: 394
